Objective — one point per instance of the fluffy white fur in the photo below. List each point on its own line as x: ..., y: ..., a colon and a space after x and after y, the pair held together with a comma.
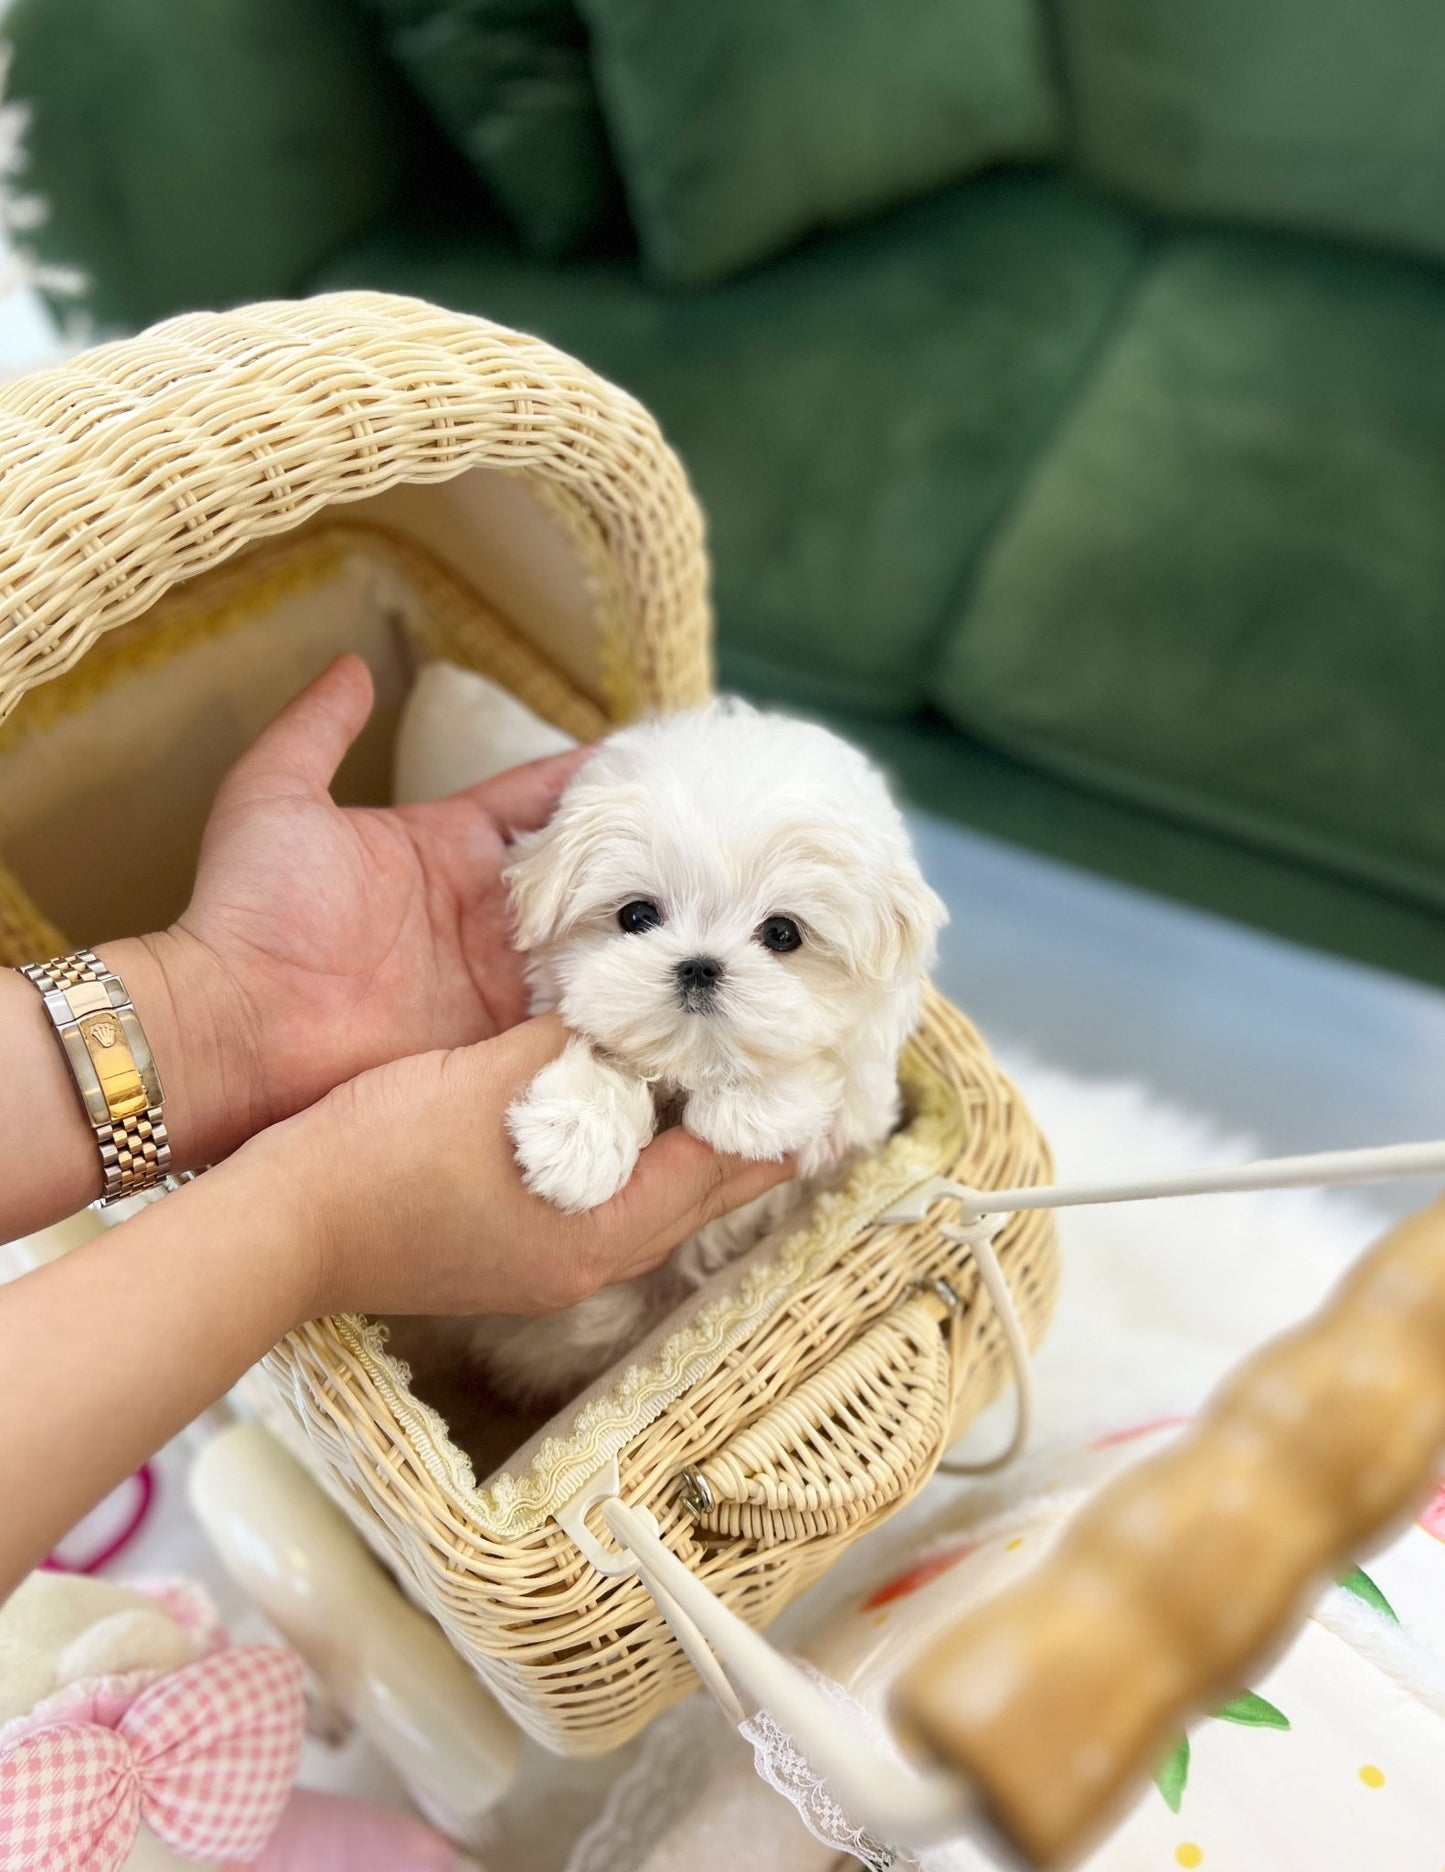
x: 721, y: 817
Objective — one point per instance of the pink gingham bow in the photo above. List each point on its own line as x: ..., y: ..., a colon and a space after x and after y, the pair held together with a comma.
x: 205, y: 1756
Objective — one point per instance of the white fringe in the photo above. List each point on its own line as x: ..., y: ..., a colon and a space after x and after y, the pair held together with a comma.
x: 22, y: 213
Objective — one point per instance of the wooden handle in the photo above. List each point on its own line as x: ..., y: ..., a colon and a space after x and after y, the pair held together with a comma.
x: 1163, y: 1593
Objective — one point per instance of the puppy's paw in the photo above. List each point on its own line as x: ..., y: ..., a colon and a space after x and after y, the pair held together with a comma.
x: 756, y: 1121
x: 579, y: 1128
x: 569, y: 1154
x: 821, y: 1154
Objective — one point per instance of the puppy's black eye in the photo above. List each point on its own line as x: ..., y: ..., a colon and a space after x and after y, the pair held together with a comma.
x: 780, y: 934
x: 639, y: 916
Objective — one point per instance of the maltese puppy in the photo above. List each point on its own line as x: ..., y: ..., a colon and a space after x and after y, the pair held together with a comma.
x: 727, y: 912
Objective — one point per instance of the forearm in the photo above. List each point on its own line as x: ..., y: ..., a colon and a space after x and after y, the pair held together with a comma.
x: 108, y: 1352
x: 399, y: 1193
x: 49, y: 1162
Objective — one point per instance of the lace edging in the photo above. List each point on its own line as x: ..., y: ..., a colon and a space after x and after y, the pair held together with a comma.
x: 514, y: 1505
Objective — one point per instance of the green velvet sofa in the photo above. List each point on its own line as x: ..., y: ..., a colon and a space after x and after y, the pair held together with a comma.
x: 1065, y: 385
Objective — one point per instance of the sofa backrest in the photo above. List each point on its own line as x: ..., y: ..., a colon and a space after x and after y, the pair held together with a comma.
x: 204, y: 152
x: 194, y: 153
x: 1322, y: 115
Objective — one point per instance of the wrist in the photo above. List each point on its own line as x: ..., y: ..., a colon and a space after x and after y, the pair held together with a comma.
x: 52, y: 1168
x: 310, y: 1171
x: 264, y: 1218
x: 204, y: 1045
x: 192, y: 1029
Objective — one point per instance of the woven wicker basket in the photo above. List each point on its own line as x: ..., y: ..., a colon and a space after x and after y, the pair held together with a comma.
x: 522, y: 516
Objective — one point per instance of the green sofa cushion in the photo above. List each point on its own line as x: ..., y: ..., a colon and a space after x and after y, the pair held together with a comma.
x: 1224, y: 594
x: 510, y: 83
x: 192, y: 155
x: 1321, y: 115
x: 955, y: 775
x: 853, y: 418
x: 742, y: 126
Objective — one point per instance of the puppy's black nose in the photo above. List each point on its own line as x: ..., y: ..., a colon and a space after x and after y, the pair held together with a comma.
x: 697, y: 980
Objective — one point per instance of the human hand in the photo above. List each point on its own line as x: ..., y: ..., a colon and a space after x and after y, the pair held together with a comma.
x: 395, y: 1193
x: 321, y: 940
x: 404, y: 1195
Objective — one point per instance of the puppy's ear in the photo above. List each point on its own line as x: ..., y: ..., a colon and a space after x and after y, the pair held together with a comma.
x: 539, y: 881
x: 902, y: 938
x: 552, y: 878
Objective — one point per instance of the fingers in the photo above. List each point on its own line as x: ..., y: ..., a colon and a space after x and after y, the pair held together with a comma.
x: 679, y: 1185
x: 520, y: 1053
x: 308, y: 740
x: 523, y: 798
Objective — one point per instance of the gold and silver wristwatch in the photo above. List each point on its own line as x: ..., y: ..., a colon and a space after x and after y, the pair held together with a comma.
x: 110, y: 1061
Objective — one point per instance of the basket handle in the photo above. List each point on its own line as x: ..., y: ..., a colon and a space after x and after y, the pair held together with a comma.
x: 744, y: 1672
x: 861, y: 1433
x: 845, y: 1444
x: 1053, y: 1697
x: 145, y: 462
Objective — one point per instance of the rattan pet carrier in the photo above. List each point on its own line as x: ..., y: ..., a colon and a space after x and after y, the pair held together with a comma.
x: 196, y: 520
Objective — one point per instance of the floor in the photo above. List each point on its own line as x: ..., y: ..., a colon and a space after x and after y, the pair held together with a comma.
x: 1302, y: 1050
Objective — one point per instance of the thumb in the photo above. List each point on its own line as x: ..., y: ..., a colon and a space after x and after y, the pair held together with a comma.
x: 522, y: 799
x: 307, y: 741
x: 679, y: 1185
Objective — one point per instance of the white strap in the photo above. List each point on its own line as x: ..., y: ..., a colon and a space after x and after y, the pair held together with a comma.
x: 1387, y: 1164
x: 709, y: 1667
x: 983, y: 1213
x: 978, y: 1237
x: 895, y: 1803
x: 745, y: 1673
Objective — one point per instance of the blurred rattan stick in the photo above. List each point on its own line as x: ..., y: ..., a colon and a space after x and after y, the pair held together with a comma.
x: 1168, y: 1589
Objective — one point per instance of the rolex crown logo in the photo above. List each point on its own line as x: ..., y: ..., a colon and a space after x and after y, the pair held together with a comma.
x: 104, y: 1032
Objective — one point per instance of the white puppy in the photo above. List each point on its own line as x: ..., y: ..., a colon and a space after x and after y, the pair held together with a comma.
x: 727, y: 912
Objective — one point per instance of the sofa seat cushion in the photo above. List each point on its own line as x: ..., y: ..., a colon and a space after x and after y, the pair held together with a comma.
x: 1224, y: 592
x: 854, y: 418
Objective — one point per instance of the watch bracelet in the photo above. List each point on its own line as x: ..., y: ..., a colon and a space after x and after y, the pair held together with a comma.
x: 135, y: 1152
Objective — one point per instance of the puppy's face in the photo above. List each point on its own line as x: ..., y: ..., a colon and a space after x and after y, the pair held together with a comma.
x: 724, y: 894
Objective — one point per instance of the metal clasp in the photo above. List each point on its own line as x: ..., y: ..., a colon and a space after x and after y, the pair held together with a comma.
x: 694, y: 1492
